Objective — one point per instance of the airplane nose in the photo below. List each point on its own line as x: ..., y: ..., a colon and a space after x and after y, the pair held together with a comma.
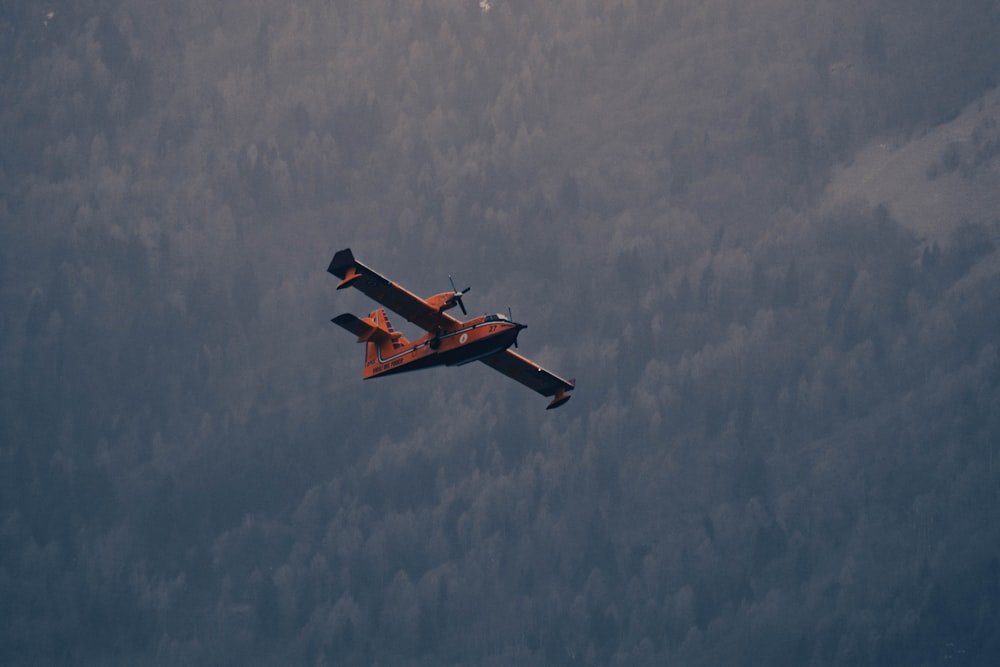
x: 517, y: 331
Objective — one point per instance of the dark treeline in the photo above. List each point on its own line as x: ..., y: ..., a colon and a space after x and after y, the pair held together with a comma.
x: 782, y: 448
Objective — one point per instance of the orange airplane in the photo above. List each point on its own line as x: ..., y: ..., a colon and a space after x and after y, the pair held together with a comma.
x: 448, y: 342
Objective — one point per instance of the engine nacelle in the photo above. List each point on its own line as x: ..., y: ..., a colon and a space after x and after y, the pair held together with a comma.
x: 445, y: 301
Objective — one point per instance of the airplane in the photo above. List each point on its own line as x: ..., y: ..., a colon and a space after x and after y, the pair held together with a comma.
x: 448, y: 341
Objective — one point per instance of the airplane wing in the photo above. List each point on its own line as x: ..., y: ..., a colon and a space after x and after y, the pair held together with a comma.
x: 531, y: 375
x: 401, y: 301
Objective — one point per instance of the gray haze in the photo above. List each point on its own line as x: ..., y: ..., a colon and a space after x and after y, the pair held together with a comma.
x: 762, y: 235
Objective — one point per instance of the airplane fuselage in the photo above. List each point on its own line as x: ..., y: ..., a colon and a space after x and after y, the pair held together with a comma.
x: 467, y: 342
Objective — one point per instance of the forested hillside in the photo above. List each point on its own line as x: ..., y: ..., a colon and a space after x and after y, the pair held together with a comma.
x: 760, y: 235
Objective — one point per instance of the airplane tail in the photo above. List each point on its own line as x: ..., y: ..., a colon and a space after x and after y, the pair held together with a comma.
x: 384, y: 344
x: 381, y: 341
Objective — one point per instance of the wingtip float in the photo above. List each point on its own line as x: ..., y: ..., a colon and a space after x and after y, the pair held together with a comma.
x: 448, y: 341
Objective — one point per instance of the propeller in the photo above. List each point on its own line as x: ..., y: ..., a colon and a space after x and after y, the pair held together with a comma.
x: 510, y: 316
x: 457, y: 296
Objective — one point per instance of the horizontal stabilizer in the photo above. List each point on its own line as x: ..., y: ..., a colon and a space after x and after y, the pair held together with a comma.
x: 355, y: 325
x: 366, y: 330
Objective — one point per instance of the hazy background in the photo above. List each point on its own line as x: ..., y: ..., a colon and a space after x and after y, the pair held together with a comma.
x: 763, y: 235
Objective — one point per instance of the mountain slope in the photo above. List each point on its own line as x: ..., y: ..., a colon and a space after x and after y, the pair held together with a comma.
x: 935, y: 181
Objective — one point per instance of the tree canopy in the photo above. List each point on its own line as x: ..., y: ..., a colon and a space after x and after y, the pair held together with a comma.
x: 781, y: 449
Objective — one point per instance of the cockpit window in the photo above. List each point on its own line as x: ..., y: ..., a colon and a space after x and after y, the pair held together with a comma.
x: 498, y: 317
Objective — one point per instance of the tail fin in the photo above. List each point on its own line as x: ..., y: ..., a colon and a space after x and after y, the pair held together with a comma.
x: 382, y: 341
